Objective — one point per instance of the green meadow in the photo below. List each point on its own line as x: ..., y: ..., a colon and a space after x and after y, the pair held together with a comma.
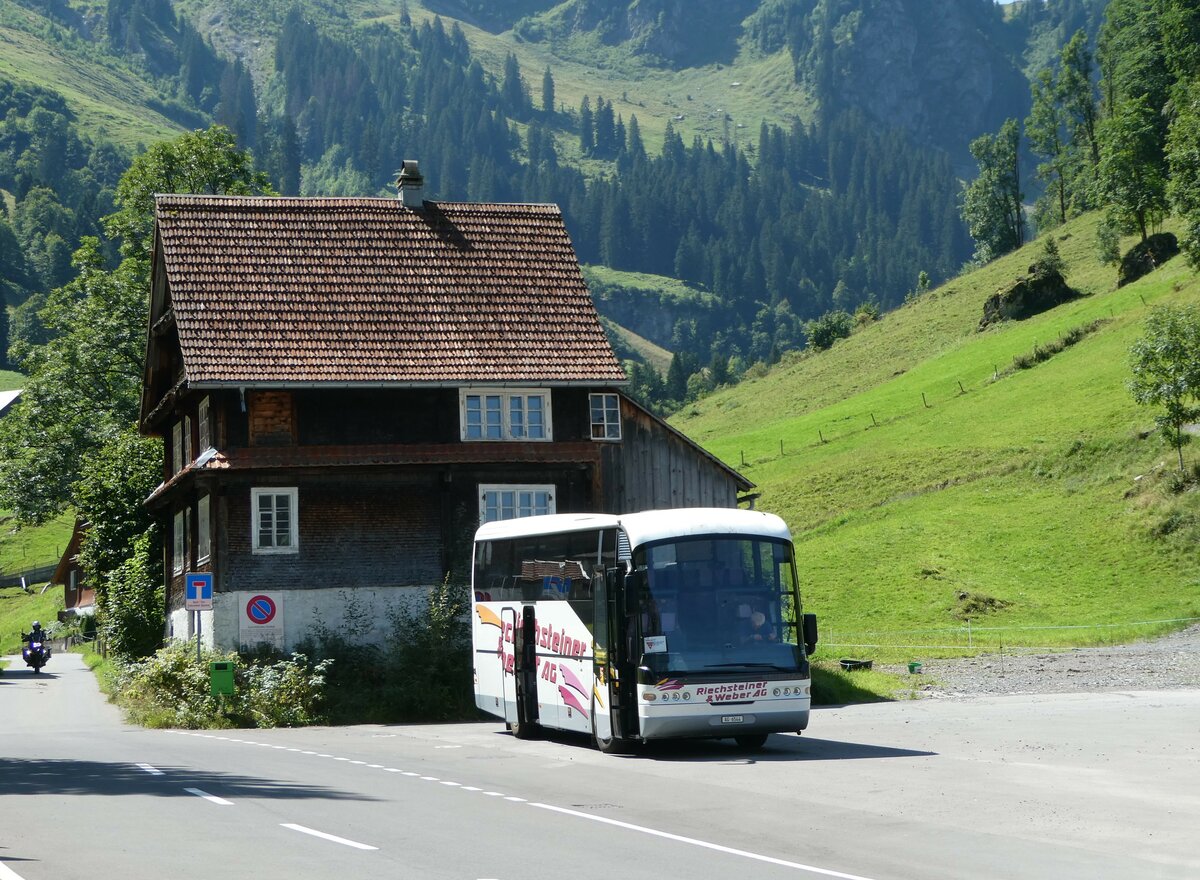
x: 928, y: 482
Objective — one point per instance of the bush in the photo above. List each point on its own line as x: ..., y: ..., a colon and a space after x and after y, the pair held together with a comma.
x: 423, y: 673
x: 828, y: 329
x: 172, y: 689
x: 133, y: 609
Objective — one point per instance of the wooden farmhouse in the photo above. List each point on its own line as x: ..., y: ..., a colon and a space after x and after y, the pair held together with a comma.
x: 347, y: 387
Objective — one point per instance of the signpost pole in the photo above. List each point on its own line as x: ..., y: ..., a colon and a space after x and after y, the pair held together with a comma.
x: 198, y: 636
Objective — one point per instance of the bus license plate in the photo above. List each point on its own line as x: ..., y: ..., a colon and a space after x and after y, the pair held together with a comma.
x: 731, y: 719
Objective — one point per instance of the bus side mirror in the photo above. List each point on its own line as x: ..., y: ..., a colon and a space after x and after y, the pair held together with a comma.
x: 810, y: 633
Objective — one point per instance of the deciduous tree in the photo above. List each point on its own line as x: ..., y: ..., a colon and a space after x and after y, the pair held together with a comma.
x: 992, y: 203
x: 1166, y: 370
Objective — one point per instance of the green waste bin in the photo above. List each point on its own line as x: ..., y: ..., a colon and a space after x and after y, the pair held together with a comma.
x: 221, y: 677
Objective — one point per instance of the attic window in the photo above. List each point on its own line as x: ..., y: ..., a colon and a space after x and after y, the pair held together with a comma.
x: 508, y: 414
x: 606, y: 416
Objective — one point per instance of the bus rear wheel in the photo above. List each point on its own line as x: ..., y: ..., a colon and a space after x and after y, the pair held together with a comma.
x: 523, y: 729
x: 608, y: 745
x: 751, y: 742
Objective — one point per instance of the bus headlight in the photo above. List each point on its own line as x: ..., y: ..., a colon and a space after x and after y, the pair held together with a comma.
x: 649, y: 698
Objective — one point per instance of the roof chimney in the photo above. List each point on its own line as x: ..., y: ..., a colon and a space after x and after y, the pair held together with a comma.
x: 409, y: 184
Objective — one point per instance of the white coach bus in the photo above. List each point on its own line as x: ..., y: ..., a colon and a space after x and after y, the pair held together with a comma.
x: 643, y: 626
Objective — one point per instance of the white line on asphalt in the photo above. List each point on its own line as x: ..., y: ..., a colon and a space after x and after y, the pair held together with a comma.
x: 146, y: 768
x: 325, y: 836
x: 7, y: 873
x: 825, y: 872
x: 211, y: 798
x: 447, y: 782
x: 430, y: 778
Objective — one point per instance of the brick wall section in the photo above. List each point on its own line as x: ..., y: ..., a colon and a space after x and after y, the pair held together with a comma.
x: 367, y: 532
x: 272, y: 418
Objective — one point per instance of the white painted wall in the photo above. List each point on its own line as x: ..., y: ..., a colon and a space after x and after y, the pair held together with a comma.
x: 361, y: 615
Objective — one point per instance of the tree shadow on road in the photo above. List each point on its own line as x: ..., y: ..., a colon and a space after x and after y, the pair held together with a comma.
x: 39, y: 776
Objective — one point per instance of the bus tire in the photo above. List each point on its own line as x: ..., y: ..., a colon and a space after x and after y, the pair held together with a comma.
x: 522, y: 729
x: 611, y: 745
x: 751, y: 742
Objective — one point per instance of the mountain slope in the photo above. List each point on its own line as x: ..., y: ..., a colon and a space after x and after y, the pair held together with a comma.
x: 111, y: 101
x: 1040, y: 491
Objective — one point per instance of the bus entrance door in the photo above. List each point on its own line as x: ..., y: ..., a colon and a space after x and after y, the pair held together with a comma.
x: 614, y: 719
x: 520, y: 696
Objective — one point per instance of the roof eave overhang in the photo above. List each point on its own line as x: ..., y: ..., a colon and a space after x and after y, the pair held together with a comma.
x: 237, y: 385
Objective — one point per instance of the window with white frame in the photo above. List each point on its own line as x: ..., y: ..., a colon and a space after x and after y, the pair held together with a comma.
x: 606, y: 416
x: 179, y: 547
x: 203, y: 418
x: 509, y: 502
x: 505, y: 414
x: 203, y: 531
x: 187, y: 441
x: 274, y: 523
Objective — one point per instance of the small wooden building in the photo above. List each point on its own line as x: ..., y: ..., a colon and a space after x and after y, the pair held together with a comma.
x: 79, y: 599
x: 346, y: 388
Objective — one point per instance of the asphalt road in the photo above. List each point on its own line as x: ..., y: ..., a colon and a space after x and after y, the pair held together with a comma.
x: 1088, y: 786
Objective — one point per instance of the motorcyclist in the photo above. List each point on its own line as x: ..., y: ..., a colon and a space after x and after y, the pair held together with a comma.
x: 36, y: 634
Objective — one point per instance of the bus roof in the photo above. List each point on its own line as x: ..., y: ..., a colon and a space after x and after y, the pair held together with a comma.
x: 648, y: 525
x: 656, y: 525
x: 544, y: 525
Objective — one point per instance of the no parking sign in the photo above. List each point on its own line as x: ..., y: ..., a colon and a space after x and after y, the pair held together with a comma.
x: 262, y: 620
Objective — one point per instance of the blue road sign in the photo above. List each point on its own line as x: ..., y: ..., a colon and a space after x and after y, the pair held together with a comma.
x: 198, y: 594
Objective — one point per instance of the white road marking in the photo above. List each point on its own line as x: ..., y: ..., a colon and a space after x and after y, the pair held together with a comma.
x: 324, y: 836
x: 448, y: 782
x: 430, y: 778
x: 516, y: 800
x: 494, y: 793
x: 7, y: 873
x: 146, y: 768
x: 211, y: 798
x: 471, y: 788
x: 758, y: 857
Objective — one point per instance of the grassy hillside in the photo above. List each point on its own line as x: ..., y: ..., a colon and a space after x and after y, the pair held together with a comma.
x: 19, y: 609
x: 1022, y: 498
x: 108, y: 98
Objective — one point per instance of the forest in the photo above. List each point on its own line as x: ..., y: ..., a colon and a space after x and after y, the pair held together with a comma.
x: 827, y: 216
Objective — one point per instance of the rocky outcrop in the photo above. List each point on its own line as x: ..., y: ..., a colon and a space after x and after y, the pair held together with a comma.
x: 1029, y: 295
x: 1146, y: 256
x: 931, y: 67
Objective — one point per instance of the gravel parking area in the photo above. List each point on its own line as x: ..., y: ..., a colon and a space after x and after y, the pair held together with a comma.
x: 1166, y: 663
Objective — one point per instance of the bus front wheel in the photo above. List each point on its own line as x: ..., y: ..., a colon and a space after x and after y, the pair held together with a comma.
x: 751, y: 742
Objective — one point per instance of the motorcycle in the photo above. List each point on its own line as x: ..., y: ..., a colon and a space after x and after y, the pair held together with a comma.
x: 35, y: 655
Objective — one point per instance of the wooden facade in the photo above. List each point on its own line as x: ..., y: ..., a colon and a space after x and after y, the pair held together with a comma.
x: 334, y: 451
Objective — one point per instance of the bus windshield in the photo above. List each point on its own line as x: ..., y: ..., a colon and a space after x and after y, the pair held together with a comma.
x: 714, y: 603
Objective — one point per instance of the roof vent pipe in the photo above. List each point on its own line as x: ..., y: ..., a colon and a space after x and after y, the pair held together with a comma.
x: 410, y: 184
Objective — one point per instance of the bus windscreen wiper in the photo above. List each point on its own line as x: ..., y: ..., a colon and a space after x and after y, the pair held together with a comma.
x: 745, y: 666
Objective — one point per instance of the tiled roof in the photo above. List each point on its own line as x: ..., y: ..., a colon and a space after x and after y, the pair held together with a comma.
x: 280, y: 290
